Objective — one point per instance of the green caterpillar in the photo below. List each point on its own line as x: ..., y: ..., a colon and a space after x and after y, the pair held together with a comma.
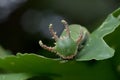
x: 71, y: 41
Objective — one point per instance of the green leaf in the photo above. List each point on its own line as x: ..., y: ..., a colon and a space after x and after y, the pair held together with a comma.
x: 4, y: 53
x: 14, y: 76
x: 96, y: 48
x: 114, y: 40
x: 35, y: 64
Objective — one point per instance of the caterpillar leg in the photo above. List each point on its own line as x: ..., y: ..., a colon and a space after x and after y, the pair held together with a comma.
x: 46, y: 47
x: 66, y: 26
x: 53, y: 33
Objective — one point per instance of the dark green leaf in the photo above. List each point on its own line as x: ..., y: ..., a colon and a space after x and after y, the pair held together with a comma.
x: 96, y: 48
x: 35, y: 64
